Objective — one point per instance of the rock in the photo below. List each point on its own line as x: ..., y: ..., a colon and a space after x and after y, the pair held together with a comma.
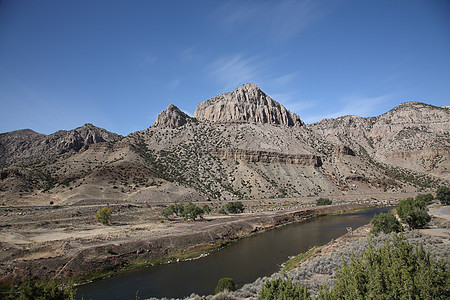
x: 26, y: 146
x: 268, y: 157
x: 172, y: 117
x: 247, y: 104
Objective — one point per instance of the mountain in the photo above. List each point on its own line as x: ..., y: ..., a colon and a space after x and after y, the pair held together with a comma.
x: 239, y: 145
x: 413, y: 135
x: 172, y: 117
x: 26, y: 146
x: 247, y: 104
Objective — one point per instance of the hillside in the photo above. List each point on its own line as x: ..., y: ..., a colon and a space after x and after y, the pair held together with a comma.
x: 238, y: 145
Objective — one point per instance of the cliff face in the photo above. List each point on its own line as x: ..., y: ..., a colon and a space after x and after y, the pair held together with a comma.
x: 172, y: 117
x: 247, y: 104
x: 268, y: 157
x: 412, y: 135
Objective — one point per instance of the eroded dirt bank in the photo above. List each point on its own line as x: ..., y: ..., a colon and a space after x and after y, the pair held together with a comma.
x: 67, y: 251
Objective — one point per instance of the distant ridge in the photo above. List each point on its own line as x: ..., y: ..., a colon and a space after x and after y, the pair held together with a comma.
x: 26, y: 146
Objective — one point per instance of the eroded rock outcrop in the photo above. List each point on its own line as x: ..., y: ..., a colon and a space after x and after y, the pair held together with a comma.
x: 269, y: 157
x: 247, y: 104
x: 172, y: 117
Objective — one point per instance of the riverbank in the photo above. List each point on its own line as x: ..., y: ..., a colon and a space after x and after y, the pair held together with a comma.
x: 317, y: 267
x: 93, y: 252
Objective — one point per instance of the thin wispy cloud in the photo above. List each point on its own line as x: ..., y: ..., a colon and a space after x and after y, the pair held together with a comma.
x: 174, y: 83
x: 354, y: 105
x: 230, y: 71
x: 147, y: 59
x: 278, y: 20
x: 190, y: 54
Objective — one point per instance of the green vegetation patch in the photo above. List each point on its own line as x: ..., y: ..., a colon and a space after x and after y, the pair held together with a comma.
x: 397, y: 270
x: 295, y: 261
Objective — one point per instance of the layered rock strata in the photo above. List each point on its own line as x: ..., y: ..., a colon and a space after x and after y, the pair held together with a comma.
x: 268, y: 157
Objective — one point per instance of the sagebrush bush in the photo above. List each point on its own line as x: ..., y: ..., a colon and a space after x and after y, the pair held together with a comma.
x: 283, y: 289
x: 395, y: 271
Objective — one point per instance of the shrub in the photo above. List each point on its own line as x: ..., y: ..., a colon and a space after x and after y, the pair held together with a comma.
x: 178, y: 209
x: 47, y: 290
x: 206, y: 208
x: 103, y: 215
x: 386, y: 223
x: 395, y: 271
x: 235, y: 207
x: 225, y: 284
x: 427, y: 198
x: 323, y: 201
x: 283, y: 289
x: 166, y: 213
x: 413, y: 213
x: 192, y: 211
x: 443, y: 195
x: 222, y: 211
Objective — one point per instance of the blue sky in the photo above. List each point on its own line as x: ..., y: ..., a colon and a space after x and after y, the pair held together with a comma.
x: 118, y: 64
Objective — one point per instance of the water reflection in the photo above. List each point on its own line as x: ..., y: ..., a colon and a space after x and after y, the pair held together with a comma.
x: 250, y: 258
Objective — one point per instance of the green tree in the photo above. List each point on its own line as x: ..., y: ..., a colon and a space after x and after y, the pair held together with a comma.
x: 386, y: 223
x: 427, y: 198
x: 225, y: 284
x: 235, y: 207
x: 103, y: 215
x: 394, y: 271
x: 413, y: 212
x: 323, y: 201
x: 44, y: 290
x: 206, y: 208
x: 192, y: 211
x: 443, y: 195
x: 178, y: 209
x: 167, y: 212
x: 283, y: 289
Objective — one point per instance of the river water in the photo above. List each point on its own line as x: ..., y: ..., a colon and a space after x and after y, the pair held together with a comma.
x: 250, y: 258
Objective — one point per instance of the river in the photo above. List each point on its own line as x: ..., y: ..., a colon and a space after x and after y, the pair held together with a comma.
x: 250, y: 258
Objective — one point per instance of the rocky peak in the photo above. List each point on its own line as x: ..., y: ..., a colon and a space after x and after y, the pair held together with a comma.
x: 172, y: 117
x: 26, y: 146
x: 246, y: 104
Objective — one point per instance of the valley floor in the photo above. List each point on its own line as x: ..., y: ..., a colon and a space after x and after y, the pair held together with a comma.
x: 66, y: 241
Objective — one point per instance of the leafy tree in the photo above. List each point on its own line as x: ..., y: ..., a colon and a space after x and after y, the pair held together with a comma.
x: 235, y: 207
x: 443, y: 195
x: 103, y: 215
x: 178, y: 209
x: 413, y: 212
x: 44, y: 290
x: 283, y: 289
x: 427, y: 198
x: 386, y: 223
x: 206, y: 208
x: 222, y: 211
x: 192, y: 211
x: 395, y: 271
x: 225, y: 284
x: 323, y: 201
x: 167, y: 212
